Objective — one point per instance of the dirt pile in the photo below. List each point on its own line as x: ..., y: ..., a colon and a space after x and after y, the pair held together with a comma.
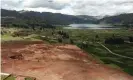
x: 55, y: 62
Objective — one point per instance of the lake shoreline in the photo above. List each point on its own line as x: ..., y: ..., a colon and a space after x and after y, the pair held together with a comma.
x: 91, y: 26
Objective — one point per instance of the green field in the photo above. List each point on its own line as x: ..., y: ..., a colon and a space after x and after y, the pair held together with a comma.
x: 78, y: 37
x: 10, y: 77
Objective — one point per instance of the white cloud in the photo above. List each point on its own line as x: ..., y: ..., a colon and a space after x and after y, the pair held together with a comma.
x: 55, y: 4
x: 11, y: 4
x: 75, y: 7
x: 102, y: 7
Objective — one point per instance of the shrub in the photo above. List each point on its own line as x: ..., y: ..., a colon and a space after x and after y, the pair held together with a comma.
x: 114, y: 41
x: 20, y: 33
x: 60, y: 40
x: 3, y: 32
x: 130, y: 38
x: 71, y: 41
x: 83, y: 45
x: 63, y: 34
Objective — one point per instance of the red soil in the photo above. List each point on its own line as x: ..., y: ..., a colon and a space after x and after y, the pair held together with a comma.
x: 55, y: 62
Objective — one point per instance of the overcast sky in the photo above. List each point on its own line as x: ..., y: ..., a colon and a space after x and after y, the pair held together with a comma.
x: 72, y: 7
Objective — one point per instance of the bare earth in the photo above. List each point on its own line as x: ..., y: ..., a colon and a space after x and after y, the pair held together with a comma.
x: 55, y: 62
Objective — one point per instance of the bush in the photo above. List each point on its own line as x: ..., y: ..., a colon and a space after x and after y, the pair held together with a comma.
x: 63, y: 34
x: 20, y: 33
x: 83, y: 45
x: 71, y: 41
x: 60, y: 40
x: 114, y: 41
x: 130, y: 38
x: 29, y: 78
x: 3, y: 32
x: 44, y: 38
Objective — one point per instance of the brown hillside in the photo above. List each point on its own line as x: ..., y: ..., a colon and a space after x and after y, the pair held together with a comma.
x: 55, y: 62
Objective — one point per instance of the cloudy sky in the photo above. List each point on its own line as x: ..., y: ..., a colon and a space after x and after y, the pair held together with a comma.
x: 72, y: 7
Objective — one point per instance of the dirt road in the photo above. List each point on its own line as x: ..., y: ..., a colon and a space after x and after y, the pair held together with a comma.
x: 55, y: 62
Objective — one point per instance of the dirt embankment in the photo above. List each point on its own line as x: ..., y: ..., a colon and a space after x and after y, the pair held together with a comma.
x: 55, y: 62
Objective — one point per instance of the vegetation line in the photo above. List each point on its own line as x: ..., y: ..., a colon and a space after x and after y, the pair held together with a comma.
x: 7, y: 77
x: 113, y: 52
x: 128, y: 42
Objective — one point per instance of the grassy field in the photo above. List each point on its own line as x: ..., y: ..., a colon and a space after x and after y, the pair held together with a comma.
x: 11, y: 77
x: 123, y: 49
x: 89, y: 37
x: 3, y: 77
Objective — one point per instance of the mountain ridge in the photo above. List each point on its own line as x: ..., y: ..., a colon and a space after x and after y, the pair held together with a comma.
x: 52, y: 18
x: 126, y: 18
x: 62, y: 19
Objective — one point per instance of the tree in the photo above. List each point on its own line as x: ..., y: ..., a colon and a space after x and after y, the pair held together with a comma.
x: 71, y: 41
x: 97, y: 38
x: 60, y: 40
x: 114, y: 41
x: 84, y: 45
x: 130, y: 38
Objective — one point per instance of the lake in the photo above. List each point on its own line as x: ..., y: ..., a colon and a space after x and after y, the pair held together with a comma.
x: 91, y: 26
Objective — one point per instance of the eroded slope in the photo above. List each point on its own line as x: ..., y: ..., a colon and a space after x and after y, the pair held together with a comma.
x: 55, y: 62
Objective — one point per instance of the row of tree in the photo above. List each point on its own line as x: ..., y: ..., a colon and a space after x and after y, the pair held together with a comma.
x: 115, y: 40
x: 40, y: 26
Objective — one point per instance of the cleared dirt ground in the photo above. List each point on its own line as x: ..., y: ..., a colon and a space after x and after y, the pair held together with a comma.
x: 55, y: 62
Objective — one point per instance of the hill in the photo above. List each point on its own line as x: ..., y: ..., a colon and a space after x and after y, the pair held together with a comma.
x: 118, y: 19
x: 9, y: 16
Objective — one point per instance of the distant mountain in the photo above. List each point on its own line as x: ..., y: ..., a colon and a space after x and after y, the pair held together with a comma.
x: 118, y: 19
x: 51, y: 18
x: 85, y: 17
